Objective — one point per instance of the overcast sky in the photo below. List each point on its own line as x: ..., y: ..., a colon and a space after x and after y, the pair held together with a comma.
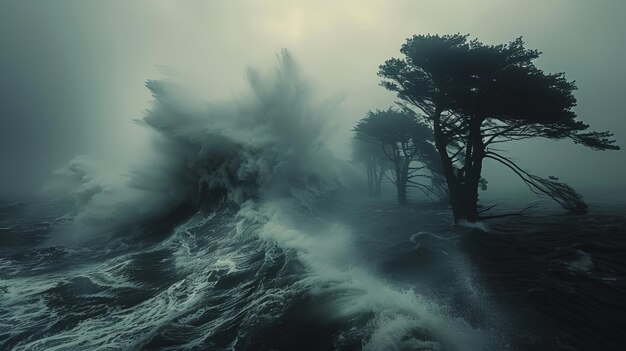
x: 72, y: 73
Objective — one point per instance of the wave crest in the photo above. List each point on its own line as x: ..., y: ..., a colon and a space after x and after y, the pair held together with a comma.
x: 264, y: 144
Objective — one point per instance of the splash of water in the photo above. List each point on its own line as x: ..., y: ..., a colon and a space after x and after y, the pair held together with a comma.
x: 268, y: 143
x: 264, y: 153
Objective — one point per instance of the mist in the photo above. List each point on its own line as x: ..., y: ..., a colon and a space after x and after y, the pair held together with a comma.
x: 242, y: 175
x: 74, y: 72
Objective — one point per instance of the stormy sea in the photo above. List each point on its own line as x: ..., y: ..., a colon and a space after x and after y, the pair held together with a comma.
x: 241, y: 232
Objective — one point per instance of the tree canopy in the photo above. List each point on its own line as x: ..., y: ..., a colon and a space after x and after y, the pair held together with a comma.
x: 369, y: 154
x: 469, y: 79
x: 475, y: 95
x: 404, y: 141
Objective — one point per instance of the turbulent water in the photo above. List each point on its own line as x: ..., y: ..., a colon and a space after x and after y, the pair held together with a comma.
x: 251, y: 279
x: 241, y: 231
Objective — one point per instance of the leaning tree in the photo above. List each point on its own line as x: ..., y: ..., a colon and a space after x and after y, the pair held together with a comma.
x: 475, y: 96
x: 403, y: 141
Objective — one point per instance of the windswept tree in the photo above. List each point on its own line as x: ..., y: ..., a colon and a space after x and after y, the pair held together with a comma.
x: 475, y: 96
x: 369, y: 154
x: 403, y: 140
x: 429, y: 158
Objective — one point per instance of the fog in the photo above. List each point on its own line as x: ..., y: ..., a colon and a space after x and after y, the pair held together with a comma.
x: 73, y: 73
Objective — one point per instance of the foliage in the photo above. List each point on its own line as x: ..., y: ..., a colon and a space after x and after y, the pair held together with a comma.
x: 371, y: 156
x: 403, y: 140
x: 475, y: 96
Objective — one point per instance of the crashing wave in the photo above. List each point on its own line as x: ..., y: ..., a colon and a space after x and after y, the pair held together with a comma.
x: 267, y: 143
x: 261, y: 156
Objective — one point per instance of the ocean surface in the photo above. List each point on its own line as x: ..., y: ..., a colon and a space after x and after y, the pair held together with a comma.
x: 346, y: 275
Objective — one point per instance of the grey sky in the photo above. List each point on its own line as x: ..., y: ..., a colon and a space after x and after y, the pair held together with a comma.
x: 72, y: 72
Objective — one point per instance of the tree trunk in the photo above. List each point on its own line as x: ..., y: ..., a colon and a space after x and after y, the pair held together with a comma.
x: 454, y: 187
x: 465, y: 200
x: 379, y: 181
x: 401, y: 191
x: 402, y: 167
x: 401, y: 182
x: 462, y: 184
x: 370, y: 178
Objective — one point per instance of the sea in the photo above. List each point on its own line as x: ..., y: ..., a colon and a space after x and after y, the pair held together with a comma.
x: 343, y: 275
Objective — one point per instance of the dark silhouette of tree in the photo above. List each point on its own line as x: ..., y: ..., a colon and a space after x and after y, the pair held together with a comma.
x: 369, y: 154
x: 428, y: 156
x: 403, y: 140
x: 475, y: 96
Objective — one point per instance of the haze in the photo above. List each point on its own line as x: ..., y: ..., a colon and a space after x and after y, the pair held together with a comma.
x: 73, y: 72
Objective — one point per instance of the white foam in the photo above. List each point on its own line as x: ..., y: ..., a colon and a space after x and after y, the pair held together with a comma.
x: 358, y: 292
x: 474, y: 225
x: 416, y: 236
x: 268, y: 142
x: 267, y: 145
x: 583, y: 263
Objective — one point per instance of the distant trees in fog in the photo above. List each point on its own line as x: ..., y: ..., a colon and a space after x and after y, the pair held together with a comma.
x: 369, y: 154
x: 467, y: 97
x: 393, y: 140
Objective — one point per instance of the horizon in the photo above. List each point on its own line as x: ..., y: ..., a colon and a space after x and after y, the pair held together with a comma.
x: 75, y: 72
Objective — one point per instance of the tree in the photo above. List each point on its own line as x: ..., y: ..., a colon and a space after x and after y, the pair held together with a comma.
x: 371, y: 156
x: 427, y: 155
x: 475, y: 96
x: 403, y: 140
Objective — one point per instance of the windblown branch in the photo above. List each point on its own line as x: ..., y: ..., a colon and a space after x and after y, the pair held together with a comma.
x: 562, y: 193
x: 508, y: 214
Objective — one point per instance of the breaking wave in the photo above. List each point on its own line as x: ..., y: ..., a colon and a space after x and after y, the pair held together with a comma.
x: 224, y: 237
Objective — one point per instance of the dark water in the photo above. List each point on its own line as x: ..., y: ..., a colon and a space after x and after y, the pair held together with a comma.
x: 563, y: 277
x: 350, y: 277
